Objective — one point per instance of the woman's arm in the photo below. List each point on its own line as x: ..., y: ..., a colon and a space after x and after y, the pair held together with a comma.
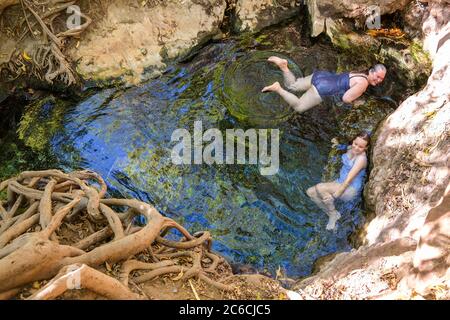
x: 360, y: 164
x: 354, y: 92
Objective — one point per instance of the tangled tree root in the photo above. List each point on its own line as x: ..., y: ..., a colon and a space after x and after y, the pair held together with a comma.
x: 47, y: 60
x: 43, y: 207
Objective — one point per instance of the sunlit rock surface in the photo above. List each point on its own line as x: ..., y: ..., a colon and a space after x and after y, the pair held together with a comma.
x: 253, y: 15
x: 131, y: 38
x: 405, y: 253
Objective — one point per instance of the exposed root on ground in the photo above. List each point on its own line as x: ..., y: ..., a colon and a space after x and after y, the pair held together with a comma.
x: 59, y: 226
x: 42, y: 20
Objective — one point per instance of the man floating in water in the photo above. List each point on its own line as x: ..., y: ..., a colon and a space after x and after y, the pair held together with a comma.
x: 347, y: 86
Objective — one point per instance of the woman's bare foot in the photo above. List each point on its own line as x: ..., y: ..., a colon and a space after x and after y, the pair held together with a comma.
x: 273, y: 87
x: 335, y: 216
x: 281, y: 63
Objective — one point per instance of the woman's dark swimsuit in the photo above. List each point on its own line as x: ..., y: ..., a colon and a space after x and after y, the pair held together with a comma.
x: 332, y: 84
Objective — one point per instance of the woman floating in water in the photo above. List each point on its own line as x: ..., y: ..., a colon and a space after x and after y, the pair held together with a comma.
x: 349, y: 184
x: 347, y: 86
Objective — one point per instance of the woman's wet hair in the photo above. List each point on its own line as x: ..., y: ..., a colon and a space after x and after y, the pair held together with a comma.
x: 375, y: 68
x: 363, y: 135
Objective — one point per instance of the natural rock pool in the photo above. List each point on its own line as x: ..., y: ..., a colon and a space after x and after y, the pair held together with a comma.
x: 125, y: 135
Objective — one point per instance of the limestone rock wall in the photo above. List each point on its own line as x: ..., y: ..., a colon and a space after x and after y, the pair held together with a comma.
x: 133, y: 38
x: 358, y: 8
x: 130, y: 39
x: 322, y: 10
x: 411, y: 153
x: 253, y: 15
x: 406, y: 251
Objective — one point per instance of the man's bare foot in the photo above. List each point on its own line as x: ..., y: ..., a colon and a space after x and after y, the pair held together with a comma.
x: 332, y: 221
x: 273, y: 87
x: 281, y: 63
